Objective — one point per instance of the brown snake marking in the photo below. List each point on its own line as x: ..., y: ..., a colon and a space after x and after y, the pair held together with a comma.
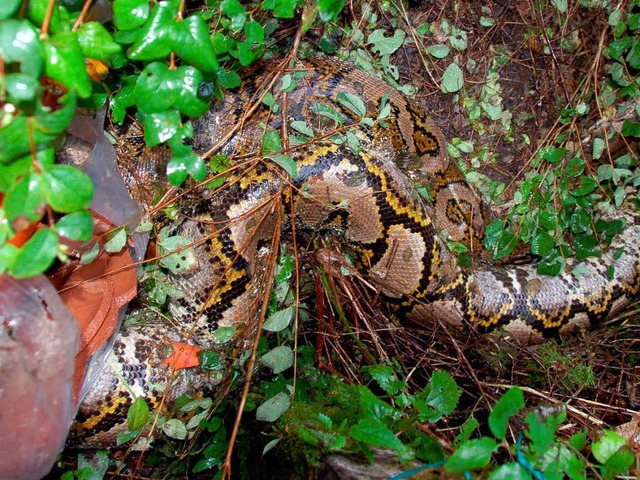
x: 367, y: 202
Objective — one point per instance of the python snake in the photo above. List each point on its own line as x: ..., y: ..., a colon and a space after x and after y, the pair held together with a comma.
x: 365, y: 201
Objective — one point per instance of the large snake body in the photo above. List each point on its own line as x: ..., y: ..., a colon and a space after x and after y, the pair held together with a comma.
x: 364, y: 198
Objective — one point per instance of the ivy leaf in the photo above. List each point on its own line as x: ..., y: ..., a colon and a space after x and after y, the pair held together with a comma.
x: 157, y: 88
x: 330, y: 9
x: 630, y: 128
x: 285, y: 162
x: 542, y: 244
x: 278, y: 359
x: 153, y: 40
x: 508, y: 405
x: 228, y: 78
x: 510, y: 471
x: 190, y: 40
x: 66, y: 188
x: 96, y: 42
x: 607, y: 445
x: 117, y: 240
x: 439, y: 397
x: 189, y: 102
x: 130, y: 14
x: 36, y: 255
x: 65, y: 63
x: 385, y: 45
x: 183, y: 259
x: 160, y: 127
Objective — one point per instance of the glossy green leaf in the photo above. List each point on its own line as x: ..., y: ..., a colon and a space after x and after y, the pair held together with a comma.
x: 236, y: 13
x: 96, y: 42
x: 160, y: 127
x: 273, y: 408
x: 8, y: 7
x: 130, y: 14
x: 586, y: 246
x: 278, y: 359
x: 26, y: 198
x: 154, y: 42
x: 21, y: 87
x: 385, y: 45
x: 65, y: 63
x: 228, y: 79
x: 177, y: 171
x: 330, y: 9
x: 20, y: 43
x: 189, y: 102
x: 189, y: 39
x: 157, y: 88
x: 508, y: 405
x: 472, y: 455
x: 580, y: 221
x: 37, y: 10
x: 36, y: 255
x: 575, y: 166
x: 138, y: 414
x: 587, y: 185
x: 281, y: 8
x: 554, y: 155
x: 542, y: 244
x: 66, y: 188
x: 75, y: 226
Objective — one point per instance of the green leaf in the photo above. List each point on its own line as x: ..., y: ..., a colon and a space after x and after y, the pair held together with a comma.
x: 472, y: 455
x: 279, y: 320
x: 372, y: 431
x: 452, y: 79
x: 157, y: 88
x: 66, y: 188
x: 619, y: 47
x: 8, y: 7
x: 273, y: 408
x: 174, y: 428
x: 510, y: 471
x: 190, y: 40
x: 223, y: 334
x: 160, y: 127
x: 36, y: 255
x: 117, y: 240
x: 21, y: 87
x: 587, y: 185
x: 278, y: 359
x: 385, y: 45
x: 630, y: 128
x: 580, y: 221
x: 554, y: 155
x: 91, y: 254
x: 328, y: 112
x: 96, y: 42
x: 438, y: 51
x: 576, y: 165
x: 20, y: 44
x: 353, y: 103
x: 25, y: 199
x: 228, y: 79
x: 75, y: 226
x: 607, y: 445
x: 65, y: 63
x: 138, y: 415
x: 330, y: 9
x: 281, y: 8
x: 440, y: 397
x: 285, y: 162
x: 271, y: 142
x: 542, y: 244
x: 184, y: 258
x: 130, y: 14
x: 153, y: 41
x: 508, y: 405
x: 236, y: 13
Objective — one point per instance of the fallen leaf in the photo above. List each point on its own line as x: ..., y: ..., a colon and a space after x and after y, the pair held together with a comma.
x: 183, y: 356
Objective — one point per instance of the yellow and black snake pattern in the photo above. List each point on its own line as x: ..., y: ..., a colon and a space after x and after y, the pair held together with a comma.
x: 364, y: 199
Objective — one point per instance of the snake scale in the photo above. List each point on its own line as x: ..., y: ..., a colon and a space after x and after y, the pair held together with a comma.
x: 363, y: 200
